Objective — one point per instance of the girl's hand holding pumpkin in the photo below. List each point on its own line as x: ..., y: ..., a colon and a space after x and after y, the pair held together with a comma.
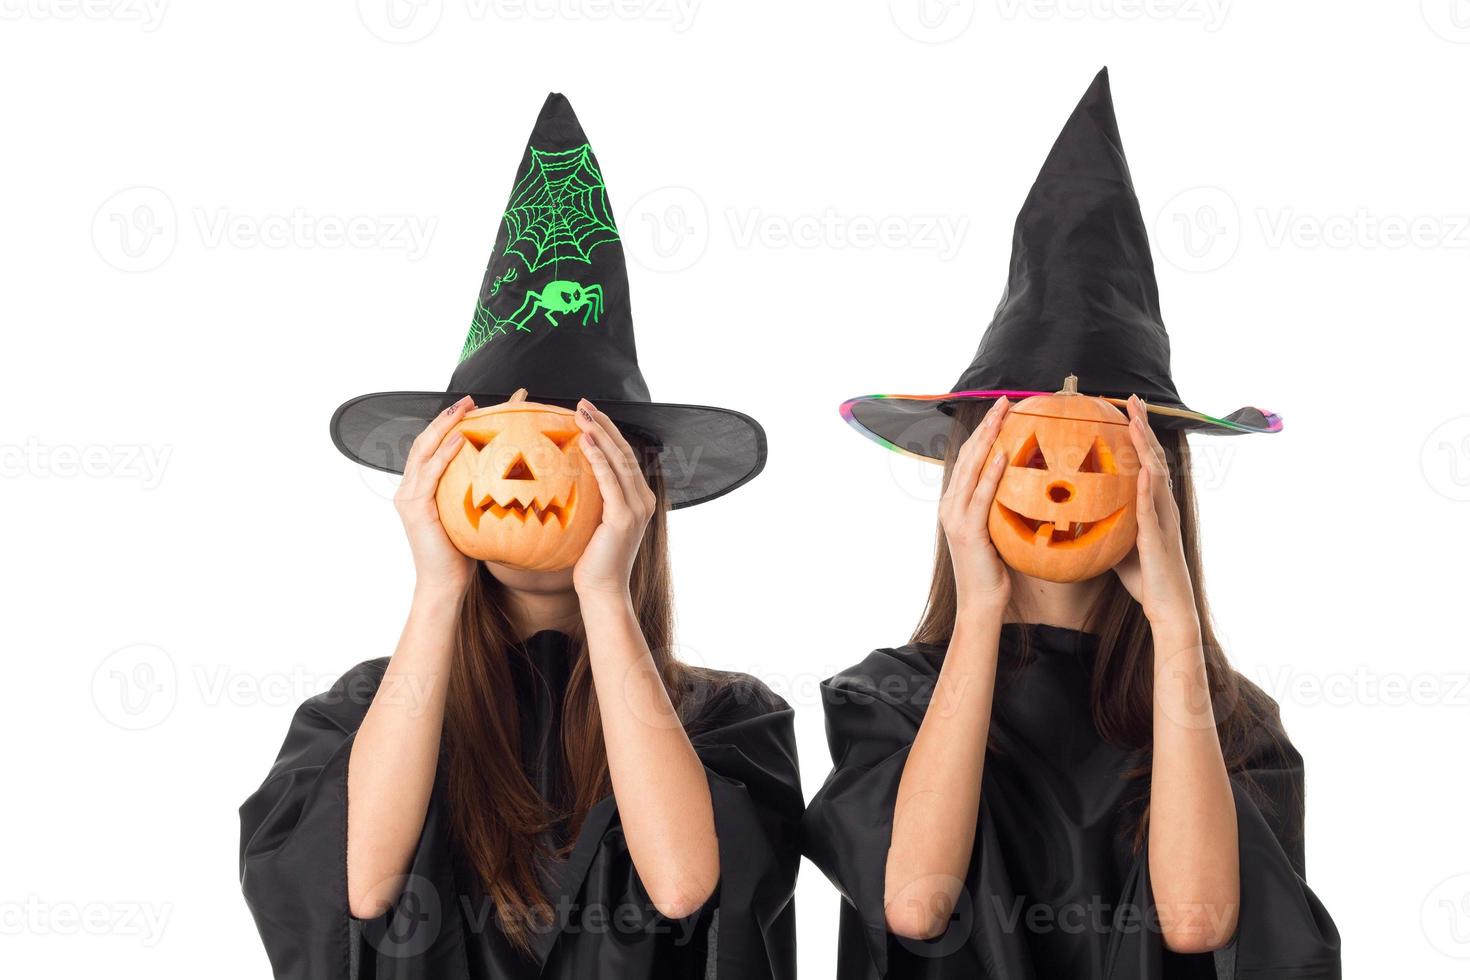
x: 627, y: 505
x: 1155, y: 572
x: 981, y: 577
x: 439, y: 566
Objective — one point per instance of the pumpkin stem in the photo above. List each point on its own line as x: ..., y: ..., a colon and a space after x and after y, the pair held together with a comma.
x: 1069, y: 385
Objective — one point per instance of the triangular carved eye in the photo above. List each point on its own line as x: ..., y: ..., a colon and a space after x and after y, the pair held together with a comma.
x: 1030, y: 456
x: 1099, y: 459
x: 562, y: 439
x: 479, y: 439
x: 519, y: 470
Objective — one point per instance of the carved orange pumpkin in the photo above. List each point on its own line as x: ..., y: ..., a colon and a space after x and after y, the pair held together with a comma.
x: 1064, y: 510
x: 519, y: 491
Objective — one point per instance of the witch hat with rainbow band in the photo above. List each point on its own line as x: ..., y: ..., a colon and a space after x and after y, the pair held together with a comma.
x: 1081, y: 299
x: 553, y: 316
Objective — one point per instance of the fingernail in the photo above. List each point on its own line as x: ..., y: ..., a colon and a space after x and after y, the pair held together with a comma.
x: 585, y: 414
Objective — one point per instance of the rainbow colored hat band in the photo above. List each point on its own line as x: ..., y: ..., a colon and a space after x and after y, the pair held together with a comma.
x: 1247, y: 420
x: 1080, y: 298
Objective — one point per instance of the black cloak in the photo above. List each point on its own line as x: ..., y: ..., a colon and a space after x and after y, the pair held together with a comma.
x: 1056, y: 888
x: 293, y: 853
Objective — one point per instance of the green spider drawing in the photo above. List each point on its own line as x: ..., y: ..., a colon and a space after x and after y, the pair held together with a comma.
x: 558, y: 213
x: 560, y: 296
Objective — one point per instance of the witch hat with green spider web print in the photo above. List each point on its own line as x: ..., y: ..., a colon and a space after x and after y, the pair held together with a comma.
x: 553, y: 317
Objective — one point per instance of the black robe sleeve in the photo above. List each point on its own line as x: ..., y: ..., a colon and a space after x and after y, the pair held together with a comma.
x: 293, y: 867
x: 749, y: 753
x: 873, y: 715
x: 1284, y: 931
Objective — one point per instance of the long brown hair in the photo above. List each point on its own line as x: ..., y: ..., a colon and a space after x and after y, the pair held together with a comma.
x: 1122, y: 676
x: 498, y: 818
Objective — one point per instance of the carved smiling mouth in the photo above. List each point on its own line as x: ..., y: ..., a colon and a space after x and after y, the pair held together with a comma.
x: 560, y: 512
x: 1059, y: 533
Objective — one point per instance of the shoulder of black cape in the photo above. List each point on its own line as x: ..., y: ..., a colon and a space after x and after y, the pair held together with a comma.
x: 717, y: 698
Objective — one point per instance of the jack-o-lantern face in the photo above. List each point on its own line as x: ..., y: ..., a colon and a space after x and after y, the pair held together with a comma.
x: 519, y: 491
x: 1064, y: 510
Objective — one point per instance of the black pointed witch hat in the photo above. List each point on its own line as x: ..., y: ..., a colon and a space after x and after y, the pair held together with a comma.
x: 554, y: 317
x: 1081, y: 299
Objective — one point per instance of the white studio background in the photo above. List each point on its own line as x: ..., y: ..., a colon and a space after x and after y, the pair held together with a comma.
x: 217, y: 221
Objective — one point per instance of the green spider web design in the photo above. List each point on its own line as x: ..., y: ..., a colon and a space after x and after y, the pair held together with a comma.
x: 558, y: 210
x: 483, y: 326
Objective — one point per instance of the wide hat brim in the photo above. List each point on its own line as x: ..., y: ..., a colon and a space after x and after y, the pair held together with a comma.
x: 703, y: 452
x: 922, y: 425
